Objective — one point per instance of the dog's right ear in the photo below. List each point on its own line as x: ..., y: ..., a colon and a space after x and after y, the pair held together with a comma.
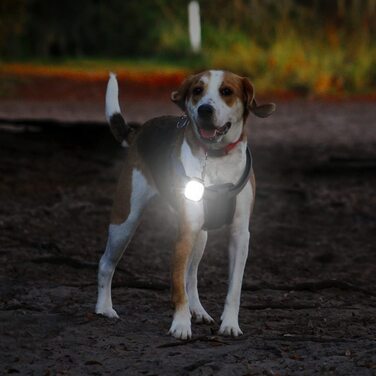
x: 179, y: 96
x: 250, y: 103
x: 263, y: 110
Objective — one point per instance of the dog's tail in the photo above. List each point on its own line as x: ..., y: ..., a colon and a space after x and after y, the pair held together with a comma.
x: 120, y: 129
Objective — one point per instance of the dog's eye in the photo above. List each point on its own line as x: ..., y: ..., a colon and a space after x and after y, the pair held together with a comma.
x: 226, y: 91
x: 197, y: 90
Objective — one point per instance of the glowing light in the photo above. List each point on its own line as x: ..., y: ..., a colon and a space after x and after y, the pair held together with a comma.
x: 194, y: 190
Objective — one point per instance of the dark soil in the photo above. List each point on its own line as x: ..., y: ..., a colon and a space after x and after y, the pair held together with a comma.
x: 309, y: 293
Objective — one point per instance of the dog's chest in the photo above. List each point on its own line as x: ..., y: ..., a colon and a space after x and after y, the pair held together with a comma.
x: 214, y: 170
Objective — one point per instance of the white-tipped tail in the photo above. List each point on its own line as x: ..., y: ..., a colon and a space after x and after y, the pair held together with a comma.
x: 112, y: 97
x: 118, y: 126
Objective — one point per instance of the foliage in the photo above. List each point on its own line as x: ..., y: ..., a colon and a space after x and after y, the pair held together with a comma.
x: 305, y: 45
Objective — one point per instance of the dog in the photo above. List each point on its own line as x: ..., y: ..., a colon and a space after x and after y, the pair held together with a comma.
x: 207, y: 145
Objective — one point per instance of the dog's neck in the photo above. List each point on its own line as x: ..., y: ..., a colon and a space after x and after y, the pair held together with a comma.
x: 212, y: 150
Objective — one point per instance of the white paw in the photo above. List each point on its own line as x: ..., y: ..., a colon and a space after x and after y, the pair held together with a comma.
x: 180, y: 331
x: 181, y: 327
x: 200, y: 316
x: 107, y: 311
x: 230, y: 329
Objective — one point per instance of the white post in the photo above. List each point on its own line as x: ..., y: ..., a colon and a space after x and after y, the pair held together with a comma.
x: 194, y: 26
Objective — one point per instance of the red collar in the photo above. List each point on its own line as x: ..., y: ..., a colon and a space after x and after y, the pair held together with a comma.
x: 221, y: 152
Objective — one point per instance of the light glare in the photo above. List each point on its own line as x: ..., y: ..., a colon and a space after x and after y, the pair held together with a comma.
x: 194, y: 190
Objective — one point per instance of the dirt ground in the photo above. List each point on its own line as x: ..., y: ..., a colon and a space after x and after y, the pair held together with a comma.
x: 309, y: 299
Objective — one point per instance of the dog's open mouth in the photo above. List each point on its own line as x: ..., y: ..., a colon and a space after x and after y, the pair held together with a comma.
x: 211, y: 134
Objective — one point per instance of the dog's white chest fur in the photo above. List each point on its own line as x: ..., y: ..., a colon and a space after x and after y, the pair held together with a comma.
x: 218, y: 170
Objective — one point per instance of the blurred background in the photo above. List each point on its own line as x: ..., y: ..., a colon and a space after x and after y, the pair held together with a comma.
x: 305, y: 47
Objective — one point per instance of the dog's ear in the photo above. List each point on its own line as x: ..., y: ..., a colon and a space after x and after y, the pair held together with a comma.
x: 250, y: 104
x: 179, y: 96
x: 263, y: 110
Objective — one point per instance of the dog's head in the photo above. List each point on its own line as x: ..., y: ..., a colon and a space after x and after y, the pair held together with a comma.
x: 218, y: 103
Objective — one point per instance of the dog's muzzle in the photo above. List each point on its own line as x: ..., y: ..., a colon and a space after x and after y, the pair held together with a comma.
x: 209, y: 132
x: 206, y: 128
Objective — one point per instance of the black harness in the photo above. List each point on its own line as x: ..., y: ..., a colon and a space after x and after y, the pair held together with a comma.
x: 219, y: 200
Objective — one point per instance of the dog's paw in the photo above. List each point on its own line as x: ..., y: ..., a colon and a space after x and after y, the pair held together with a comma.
x: 228, y: 328
x: 108, y: 312
x: 200, y: 316
x: 180, y: 329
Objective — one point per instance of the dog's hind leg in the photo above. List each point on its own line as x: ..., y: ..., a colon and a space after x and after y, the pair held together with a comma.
x: 197, y: 310
x: 119, y: 236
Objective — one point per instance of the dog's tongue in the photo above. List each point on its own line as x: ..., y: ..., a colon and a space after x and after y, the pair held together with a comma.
x: 206, y: 133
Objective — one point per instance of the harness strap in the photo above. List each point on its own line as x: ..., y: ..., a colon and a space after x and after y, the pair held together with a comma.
x: 229, y: 189
x: 219, y: 200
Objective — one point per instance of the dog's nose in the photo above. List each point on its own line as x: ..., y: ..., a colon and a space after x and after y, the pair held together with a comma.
x: 205, y: 111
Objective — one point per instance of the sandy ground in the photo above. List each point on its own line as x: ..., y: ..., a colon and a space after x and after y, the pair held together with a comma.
x: 308, y: 303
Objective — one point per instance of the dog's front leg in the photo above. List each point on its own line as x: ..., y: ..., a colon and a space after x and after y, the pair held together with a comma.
x: 238, y: 253
x: 195, y: 306
x: 188, y: 232
x: 181, y: 324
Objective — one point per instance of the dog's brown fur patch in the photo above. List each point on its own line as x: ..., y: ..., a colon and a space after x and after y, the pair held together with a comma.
x: 183, y: 249
x: 198, y: 83
x: 235, y: 84
x: 122, y: 201
x: 185, y: 90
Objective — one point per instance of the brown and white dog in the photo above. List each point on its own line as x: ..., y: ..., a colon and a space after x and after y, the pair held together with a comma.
x: 209, y: 144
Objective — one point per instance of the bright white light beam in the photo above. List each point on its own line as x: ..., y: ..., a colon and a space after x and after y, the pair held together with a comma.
x: 194, y: 190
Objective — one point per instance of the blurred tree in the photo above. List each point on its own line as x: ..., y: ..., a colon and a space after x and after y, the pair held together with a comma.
x: 88, y: 27
x: 145, y: 27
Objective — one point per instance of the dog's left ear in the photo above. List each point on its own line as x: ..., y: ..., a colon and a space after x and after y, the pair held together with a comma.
x: 179, y: 96
x: 250, y: 104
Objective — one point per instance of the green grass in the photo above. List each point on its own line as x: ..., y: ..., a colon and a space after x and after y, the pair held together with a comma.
x: 298, y: 63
